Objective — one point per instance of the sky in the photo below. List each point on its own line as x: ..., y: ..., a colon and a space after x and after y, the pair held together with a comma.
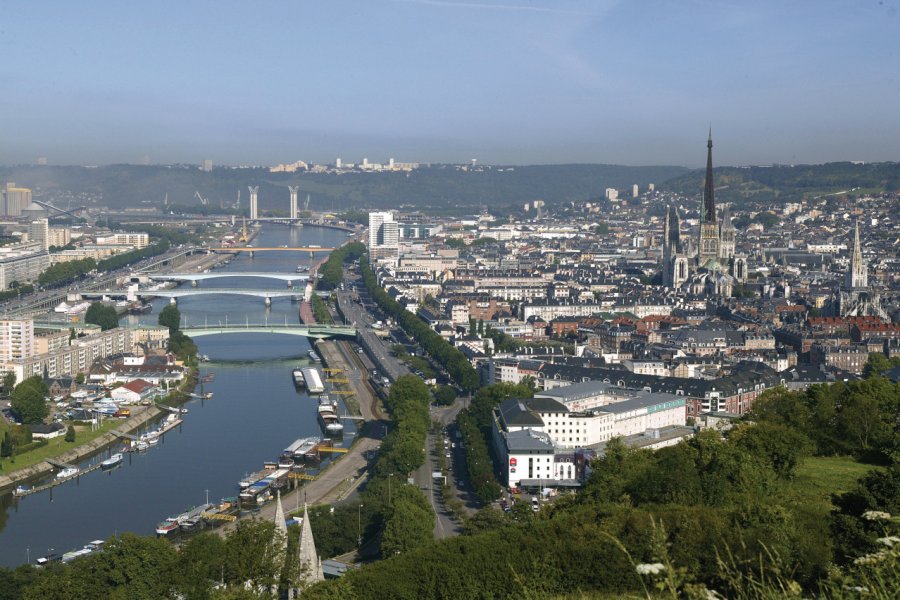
x: 505, y: 82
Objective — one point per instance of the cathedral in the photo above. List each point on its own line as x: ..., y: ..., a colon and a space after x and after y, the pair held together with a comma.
x: 855, y: 298
x: 714, y: 268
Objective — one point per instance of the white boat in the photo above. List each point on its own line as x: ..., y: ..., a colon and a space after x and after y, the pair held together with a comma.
x: 68, y: 472
x: 112, y: 461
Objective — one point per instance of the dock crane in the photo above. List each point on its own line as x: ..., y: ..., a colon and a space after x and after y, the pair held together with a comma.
x: 203, y: 201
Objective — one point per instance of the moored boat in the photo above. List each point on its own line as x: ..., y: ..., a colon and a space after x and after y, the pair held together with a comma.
x: 112, y: 461
x: 299, y: 380
x: 328, y: 416
x: 68, y: 472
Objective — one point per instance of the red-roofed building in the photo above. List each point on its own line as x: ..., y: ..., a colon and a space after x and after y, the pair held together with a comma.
x: 134, y: 392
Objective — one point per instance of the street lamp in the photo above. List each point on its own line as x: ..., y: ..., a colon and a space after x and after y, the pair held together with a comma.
x: 359, y: 526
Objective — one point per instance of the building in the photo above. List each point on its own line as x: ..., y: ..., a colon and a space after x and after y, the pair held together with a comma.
x: 207, y: 165
x: 59, y: 236
x: 716, y: 267
x: 16, y: 340
x: 137, y: 240
x: 384, y: 235
x: 21, y: 263
x: 134, y: 392
x: 535, y: 438
x: 15, y: 199
x: 77, y: 356
x: 39, y: 233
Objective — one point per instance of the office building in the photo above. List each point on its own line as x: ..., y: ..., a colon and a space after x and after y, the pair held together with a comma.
x: 138, y: 240
x: 384, y: 235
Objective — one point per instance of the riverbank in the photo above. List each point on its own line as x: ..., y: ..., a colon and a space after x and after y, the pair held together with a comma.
x: 344, y: 475
x: 80, y: 453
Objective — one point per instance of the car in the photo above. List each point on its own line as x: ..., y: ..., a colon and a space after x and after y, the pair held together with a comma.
x: 447, y: 455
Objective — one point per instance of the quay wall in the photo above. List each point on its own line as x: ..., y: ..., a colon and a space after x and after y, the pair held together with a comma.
x: 81, y: 452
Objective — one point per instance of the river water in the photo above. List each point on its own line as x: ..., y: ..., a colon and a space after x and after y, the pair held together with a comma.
x: 255, y: 413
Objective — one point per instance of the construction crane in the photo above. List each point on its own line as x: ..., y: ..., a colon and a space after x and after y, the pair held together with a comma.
x: 243, y: 229
x: 203, y: 201
x: 306, y: 204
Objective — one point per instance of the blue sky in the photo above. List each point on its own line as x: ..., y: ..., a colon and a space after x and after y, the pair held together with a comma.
x: 507, y: 82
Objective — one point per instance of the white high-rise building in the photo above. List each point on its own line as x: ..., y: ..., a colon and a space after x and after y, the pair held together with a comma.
x: 384, y: 235
x: 39, y: 231
x: 635, y: 191
x: 338, y: 163
x: 612, y: 194
x: 16, y: 339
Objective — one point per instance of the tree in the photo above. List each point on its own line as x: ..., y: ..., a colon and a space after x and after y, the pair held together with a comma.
x: 444, y: 395
x: 878, y: 363
x: 79, y: 378
x: 70, y: 433
x: 9, y: 381
x: 102, y: 315
x: 781, y: 446
x: 170, y: 317
x: 6, y: 446
x: 27, y: 401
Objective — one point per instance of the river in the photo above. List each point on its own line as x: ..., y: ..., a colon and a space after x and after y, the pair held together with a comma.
x: 254, y: 414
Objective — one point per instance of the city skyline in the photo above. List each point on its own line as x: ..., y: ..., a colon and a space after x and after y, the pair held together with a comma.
x: 446, y: 81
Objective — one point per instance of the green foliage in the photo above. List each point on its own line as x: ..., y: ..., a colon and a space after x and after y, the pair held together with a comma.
x: 320, y: 311
x: 66, y: 272
x: 9, y: 381
x: 182, y: 345
x: 454, y: 242
x: 102, y: 315
x: 170, y: 317
x: 332, y: 272
x: 409, y: 524
x: 201, y: 561
x: 766, y: 219
x: 856, y: 523
x: 15, y: 291
x: 250, y: 554
x: 601, y: 229
x: 459, y: 368
x: 70, y: 434
x: 27, y: 400
x: 856, y: 418
x: 126, y: 258
x: 478, y: 459
x: 781, y: 446
x: 878, y: 364
x: 444, y: 395
x: 6, y: 446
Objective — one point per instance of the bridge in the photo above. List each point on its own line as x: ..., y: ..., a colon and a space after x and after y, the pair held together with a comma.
x: 310, y: 249
x: 309, y: 331
x: 194, y: 278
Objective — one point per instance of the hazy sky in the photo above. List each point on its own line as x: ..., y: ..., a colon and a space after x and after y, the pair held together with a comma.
x: 506, y: 81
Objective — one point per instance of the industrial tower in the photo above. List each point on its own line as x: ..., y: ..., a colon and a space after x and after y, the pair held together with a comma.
x: 294, y: 211
x: 254, y: 208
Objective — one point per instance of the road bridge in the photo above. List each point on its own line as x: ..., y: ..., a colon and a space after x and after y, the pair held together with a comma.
x: 310, y: 249
x: 174, y: 294
x: 197, y: 277
x: 309, y: 331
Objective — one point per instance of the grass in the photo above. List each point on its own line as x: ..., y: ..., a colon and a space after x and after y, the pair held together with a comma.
x: 821, y: 476
x: 57, y: 446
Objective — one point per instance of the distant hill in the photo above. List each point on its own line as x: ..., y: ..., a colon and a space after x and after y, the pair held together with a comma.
x: 440, y: 187
x: 781, y: 183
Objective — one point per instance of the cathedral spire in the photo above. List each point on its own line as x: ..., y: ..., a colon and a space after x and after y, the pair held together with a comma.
x: 708, y: 211
x: 857, y: 275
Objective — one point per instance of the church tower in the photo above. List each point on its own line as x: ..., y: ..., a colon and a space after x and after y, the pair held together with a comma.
x: 675, y: 268
x: 310, y: 565
x: 726, y: 237
x: 708, y: 256
x: 857, y: 275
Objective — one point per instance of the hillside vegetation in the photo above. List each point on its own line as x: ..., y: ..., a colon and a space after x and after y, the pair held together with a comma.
x: 441, y: 187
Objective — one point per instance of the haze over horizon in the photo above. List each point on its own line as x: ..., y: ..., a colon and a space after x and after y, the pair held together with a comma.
x: 506, y: 82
